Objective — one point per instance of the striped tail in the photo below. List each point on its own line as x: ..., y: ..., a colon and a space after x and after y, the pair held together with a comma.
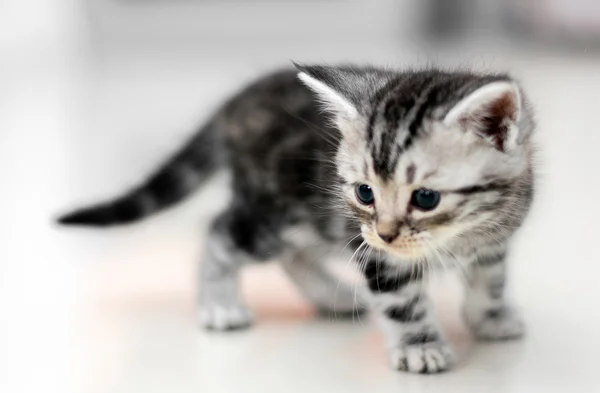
x: 173, y: 182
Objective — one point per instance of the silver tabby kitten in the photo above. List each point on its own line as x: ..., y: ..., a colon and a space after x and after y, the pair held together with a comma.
x: 428, y: 166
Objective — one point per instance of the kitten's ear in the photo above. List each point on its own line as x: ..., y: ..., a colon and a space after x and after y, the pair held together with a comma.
x: 334, y: 88
x: 344, y: 91
x: 492, y: 112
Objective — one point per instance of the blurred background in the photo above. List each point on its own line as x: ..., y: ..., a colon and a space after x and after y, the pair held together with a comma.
x: 95, y: 93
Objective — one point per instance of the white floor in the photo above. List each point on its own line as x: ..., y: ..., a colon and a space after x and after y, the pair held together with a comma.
x: 114, y: 311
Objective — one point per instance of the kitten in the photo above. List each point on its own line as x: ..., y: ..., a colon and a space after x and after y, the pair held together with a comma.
x: 427, y: 166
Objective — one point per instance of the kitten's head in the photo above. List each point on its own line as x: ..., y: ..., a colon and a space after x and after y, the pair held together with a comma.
x: 427, y: 157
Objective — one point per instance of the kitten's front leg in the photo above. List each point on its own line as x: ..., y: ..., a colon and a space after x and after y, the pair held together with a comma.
x: 413, y: 338
x: 486, y: 310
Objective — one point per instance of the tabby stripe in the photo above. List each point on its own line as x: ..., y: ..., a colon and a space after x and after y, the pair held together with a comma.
x: 371, y: 270
x: 421, y: 338
x: 383, y: 161
x: 405, y: 313
x: 371, y: 124
x: 383, y: 283
x: 496, y: 289
x: 495, y: 313
x: 491, y: 260
x: 379, y: 96
x: 438, y: 219
x: 395, y: 110
x: 482, y: 188
x: 413, y: 127
x: 410, y: 173
x: 428, y: 92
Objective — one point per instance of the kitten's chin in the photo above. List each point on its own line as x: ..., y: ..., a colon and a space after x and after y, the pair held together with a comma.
x: 407, y: 254
x: 412, y: 253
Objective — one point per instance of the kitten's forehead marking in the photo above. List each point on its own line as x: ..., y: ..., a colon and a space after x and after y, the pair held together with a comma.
x: 410, y: 173
x: 402, y: 118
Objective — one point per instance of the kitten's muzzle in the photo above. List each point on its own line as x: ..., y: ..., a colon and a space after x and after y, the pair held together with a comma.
x: 388, y: 237
x: 387, y: 230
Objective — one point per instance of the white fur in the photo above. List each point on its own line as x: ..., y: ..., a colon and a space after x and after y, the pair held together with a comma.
x: 223, y: 317
x: 437, y: 356
x: 334, y: 101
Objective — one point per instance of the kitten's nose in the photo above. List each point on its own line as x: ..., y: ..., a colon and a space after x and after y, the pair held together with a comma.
x: 387, y: 237
x: 387, y: 228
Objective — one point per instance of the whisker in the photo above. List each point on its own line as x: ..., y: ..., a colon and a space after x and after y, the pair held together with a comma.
x: 340, y: 279
x: 362, y: 266
x: 350, y: 241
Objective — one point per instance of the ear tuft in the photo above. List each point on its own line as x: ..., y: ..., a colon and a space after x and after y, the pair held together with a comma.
x: 492, y: 112
x: 345, y: 91
x: 332, y: 100
x: 335, y: 88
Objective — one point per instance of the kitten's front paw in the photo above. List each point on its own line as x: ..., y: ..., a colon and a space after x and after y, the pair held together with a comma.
x: 502, y: 324
x: 428, y: 358
x: 225, y: 317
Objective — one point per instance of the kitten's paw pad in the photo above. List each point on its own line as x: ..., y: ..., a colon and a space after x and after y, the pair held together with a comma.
x: 502, y: 324
x: 225, y: 317
x: 423, y: 358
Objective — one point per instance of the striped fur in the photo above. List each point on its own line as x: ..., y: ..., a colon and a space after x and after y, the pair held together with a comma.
x: 299, y: 147
x: 173, y: 182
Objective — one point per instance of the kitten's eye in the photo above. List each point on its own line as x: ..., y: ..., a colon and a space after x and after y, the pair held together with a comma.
x: 425, y: 199
x: 364, y: 194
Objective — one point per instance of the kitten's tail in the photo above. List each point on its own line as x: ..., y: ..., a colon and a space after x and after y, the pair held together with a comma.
x: 174, y: 181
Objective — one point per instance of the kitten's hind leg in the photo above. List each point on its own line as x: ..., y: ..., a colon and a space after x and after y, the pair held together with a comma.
x: 220, y: 305
x: 486, y: 311
x: 333, y: 297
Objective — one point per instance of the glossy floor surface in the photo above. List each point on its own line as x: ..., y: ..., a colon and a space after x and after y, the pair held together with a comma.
x: 114, y: 311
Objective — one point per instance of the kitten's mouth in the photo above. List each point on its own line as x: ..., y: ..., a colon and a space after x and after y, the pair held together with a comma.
x: 410, y: 249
